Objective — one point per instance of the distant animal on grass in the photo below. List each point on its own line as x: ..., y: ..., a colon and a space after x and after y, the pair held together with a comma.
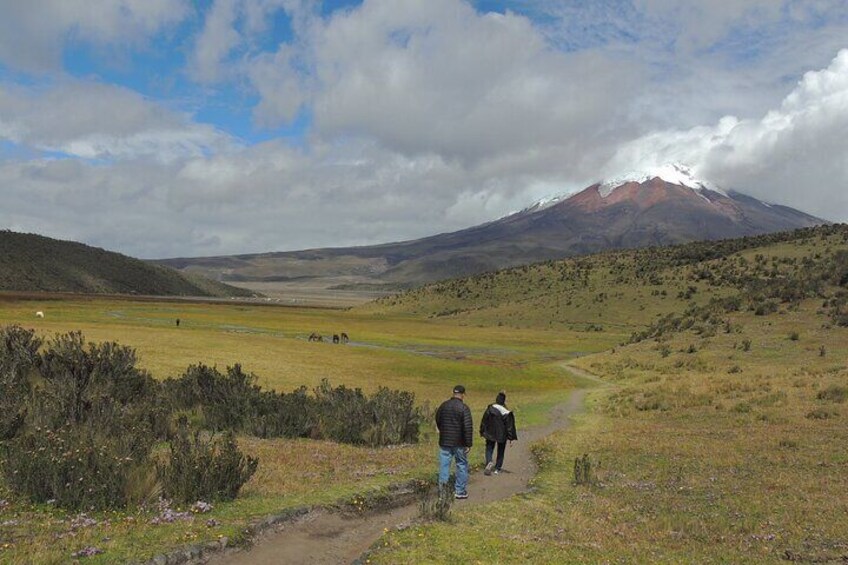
x: 178, y: 322
x: 39, y: 314
x: 335, y: 338
x: 315, y: 337
x: 345, y: 339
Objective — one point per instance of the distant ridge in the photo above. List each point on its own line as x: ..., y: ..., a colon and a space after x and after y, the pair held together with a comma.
x: 30, y: 262
x: 660, y: 206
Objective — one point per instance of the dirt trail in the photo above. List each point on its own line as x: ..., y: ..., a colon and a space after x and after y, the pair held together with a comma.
x: 323, y: 537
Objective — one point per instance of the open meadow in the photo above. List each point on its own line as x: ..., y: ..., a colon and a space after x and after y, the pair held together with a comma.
x: 399, y: 352
x: 716, y: 433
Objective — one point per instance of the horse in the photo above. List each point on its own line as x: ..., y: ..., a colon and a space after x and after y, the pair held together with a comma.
x: 345, y: 339
x: 39, y: 314
x: 315, y: 337
x: 335, y: 338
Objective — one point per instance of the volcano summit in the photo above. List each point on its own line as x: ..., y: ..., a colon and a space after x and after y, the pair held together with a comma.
x: 661, y: 206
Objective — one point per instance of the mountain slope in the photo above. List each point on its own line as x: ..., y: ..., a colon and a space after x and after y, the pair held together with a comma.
x: 660, y: 207
x: 30, y: 262
x: 628, y: 290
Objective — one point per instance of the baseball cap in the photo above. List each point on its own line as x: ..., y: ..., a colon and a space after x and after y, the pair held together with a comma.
x: 459, y: 389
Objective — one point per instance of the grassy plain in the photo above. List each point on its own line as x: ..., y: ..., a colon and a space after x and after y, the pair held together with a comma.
x: 400, y: 351
x: 720, y: 443
x: 719, y: 437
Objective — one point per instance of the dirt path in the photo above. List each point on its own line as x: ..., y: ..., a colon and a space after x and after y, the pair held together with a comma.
x: 323, y: 537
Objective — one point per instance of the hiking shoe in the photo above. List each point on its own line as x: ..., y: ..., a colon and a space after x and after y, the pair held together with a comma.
x: 488, y: 470
x: 497, y: 471
x: 461, y: 495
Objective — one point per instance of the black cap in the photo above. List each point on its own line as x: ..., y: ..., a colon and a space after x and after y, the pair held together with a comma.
x: 459, y: 389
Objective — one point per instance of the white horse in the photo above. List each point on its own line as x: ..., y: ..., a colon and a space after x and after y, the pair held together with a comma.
x: 39, y: 314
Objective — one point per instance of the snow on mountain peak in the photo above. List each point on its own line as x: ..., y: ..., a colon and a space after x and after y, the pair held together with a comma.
x: 674, y: 173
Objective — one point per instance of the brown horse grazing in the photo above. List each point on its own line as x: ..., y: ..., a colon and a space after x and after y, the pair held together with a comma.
x: 335, y: 338
x: 315, y: 337
x: 345, y: 338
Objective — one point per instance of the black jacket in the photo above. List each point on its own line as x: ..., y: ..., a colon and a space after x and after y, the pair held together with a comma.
x: 497, y: 427
x: 453, y: 418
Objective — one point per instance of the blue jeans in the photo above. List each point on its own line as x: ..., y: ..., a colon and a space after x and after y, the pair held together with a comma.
x: 446, y: 454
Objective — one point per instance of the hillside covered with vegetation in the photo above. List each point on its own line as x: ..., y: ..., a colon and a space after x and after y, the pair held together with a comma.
x: 30, y: 262
x: 717, y: 431
x: 646, y: 288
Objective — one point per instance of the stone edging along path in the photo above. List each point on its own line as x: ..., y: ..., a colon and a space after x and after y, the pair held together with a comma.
x: 323, y: 535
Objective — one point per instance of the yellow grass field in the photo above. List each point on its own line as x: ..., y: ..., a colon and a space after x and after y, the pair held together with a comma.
x: 422, y: 356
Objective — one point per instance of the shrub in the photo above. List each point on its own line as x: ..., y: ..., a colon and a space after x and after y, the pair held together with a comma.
x: 435, y: 502
x: 95, y: 383
x: 204, y: 469
x: 583, y: 470
x: 87, y: 429
x: 78, y: 466
x: 821, y: 414
x: 833, y: 393
x: 226, y: 400
x: 19, y: 362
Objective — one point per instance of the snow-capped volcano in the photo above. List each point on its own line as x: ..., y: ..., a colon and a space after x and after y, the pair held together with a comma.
x: 656, y: 206
x: 673, y: 173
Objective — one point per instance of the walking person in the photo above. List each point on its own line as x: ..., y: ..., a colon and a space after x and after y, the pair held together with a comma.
x: 498, y: 427
x: 456, y: 433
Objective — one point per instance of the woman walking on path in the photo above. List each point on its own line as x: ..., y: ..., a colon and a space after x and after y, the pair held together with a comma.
x: 498, y: 427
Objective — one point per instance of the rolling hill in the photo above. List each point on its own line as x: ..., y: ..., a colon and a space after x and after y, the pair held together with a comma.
x: 30, y: 262
x: 656, y: 288
x: 661, y: 207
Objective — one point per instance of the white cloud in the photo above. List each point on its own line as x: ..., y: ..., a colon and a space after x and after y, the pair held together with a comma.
x: 33, y: 33
x: 438, y: 77
x: 424, y: 116
x: 92, y: 120
x: 795, y: 154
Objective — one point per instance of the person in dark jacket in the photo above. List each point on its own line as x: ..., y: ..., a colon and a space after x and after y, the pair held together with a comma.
x: 456, y: 433
x: 498, y: 427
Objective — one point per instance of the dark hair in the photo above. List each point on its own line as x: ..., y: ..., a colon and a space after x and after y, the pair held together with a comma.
x: 501, y: 398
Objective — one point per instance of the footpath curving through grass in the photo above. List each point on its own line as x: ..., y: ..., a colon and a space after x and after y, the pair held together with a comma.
x: 705, y: 450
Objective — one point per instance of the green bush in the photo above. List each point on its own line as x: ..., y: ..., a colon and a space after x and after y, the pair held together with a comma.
x: 204, y: 469
x: 77, y: 466
x: 225, y: 399
x: 19, y: 362
x: 86, y: 429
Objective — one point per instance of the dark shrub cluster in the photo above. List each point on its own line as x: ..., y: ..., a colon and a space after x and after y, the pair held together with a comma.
x: 79, y: 422
x: 77, y: 466
x: 233, y: 401
x: 204, y: 469
x: 19, y: 361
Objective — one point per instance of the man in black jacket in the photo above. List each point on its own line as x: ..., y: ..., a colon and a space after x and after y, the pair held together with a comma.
x: 453, y: 420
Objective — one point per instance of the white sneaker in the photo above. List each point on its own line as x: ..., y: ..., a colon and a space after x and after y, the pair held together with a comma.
x: 488, y: 470
x: 496, y: 472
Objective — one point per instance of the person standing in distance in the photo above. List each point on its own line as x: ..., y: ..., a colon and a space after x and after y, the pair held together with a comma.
x: 497, y: 426
x: 456, y: 433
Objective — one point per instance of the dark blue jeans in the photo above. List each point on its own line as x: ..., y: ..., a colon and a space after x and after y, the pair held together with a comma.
x: 490, y: 448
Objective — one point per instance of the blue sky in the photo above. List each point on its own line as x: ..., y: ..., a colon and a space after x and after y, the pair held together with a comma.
x: 169, y: 127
